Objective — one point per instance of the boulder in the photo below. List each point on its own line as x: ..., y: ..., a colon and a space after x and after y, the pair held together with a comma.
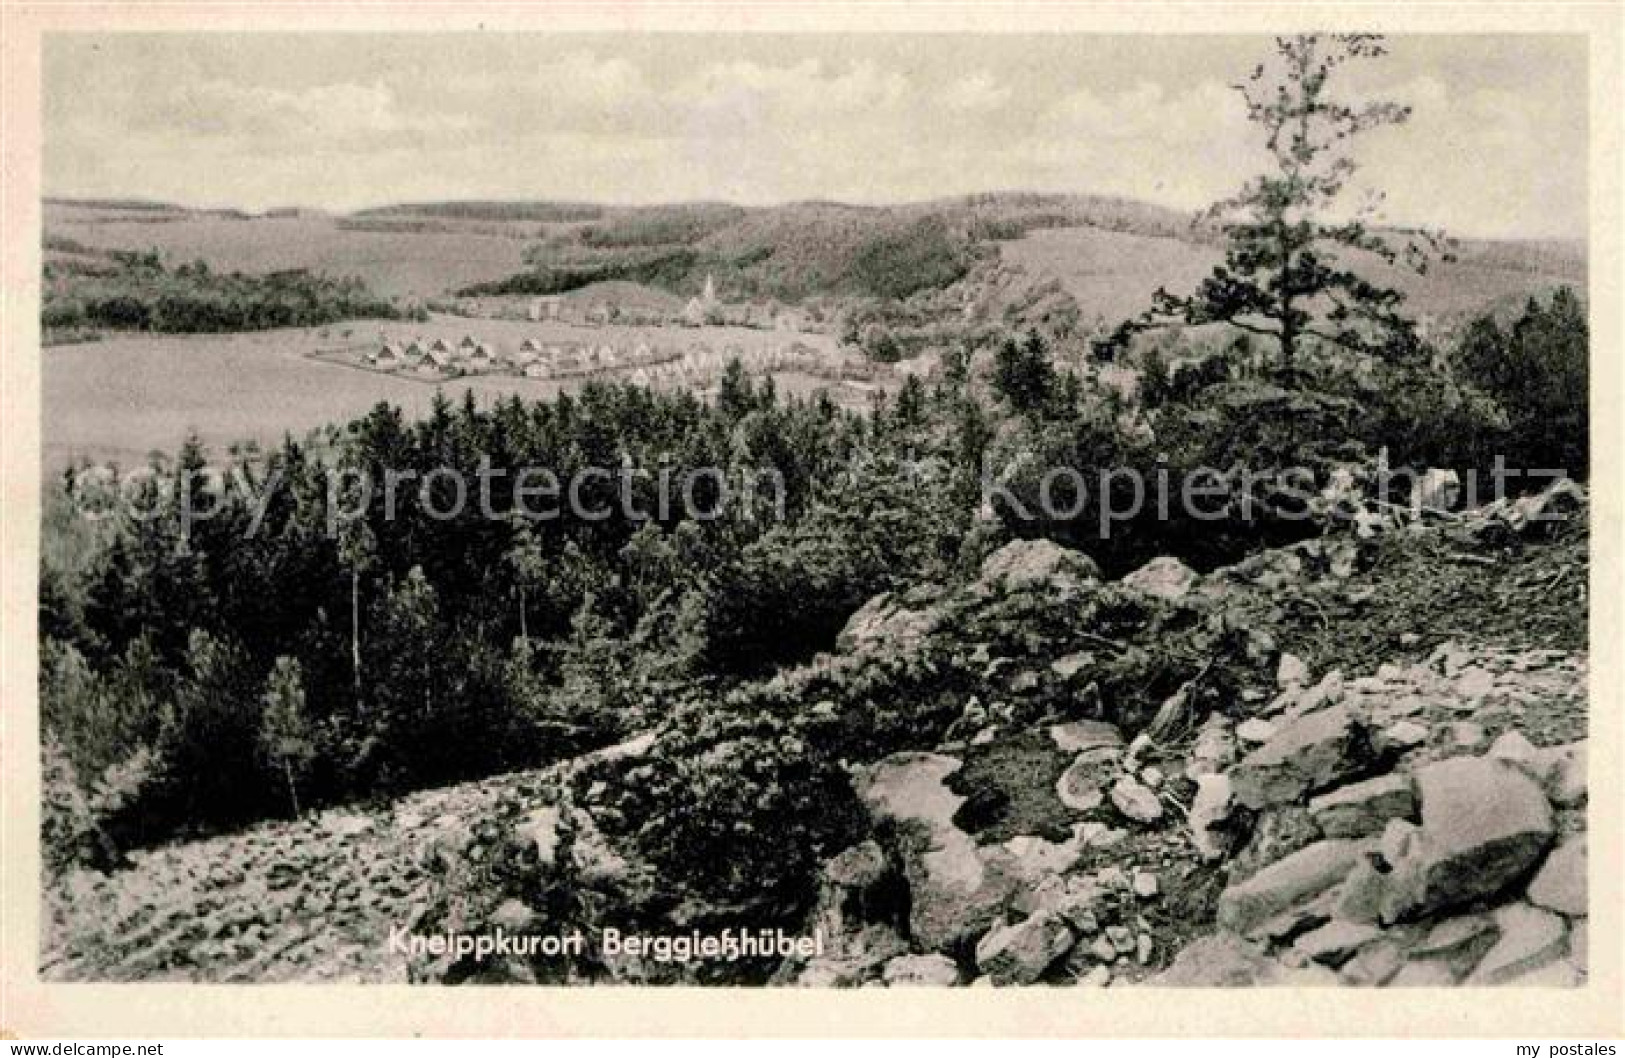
x: 954, y: 892
x: 929, y: 971
x: 1484, y: 825
x: 1027, y: 564
x: 1363, y: 808
x: 1136, y: 800
x: 1308, y: 755
x: 1298, y: 878
x: 1560, y: 884
x: 1020, y: 953
x: 1210, y: 815
x: 1165, y: 578
x: 1530, y: 939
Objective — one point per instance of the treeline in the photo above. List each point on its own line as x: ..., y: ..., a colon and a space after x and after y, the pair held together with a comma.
x: 790, y: 253
x: 137, y: 292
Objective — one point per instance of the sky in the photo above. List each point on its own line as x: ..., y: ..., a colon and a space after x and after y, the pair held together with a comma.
x: 1496, y: 145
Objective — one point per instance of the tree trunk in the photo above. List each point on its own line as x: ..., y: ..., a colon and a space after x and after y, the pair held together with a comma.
x: 355, y: 637
x: 293, y: 793
x: 524, y: 630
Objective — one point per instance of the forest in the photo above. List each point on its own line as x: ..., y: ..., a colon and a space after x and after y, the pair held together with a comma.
x: 196, y: 676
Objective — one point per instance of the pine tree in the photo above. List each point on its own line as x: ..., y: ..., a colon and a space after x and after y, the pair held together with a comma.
x: 285, y: 733
x: 1285, y: 273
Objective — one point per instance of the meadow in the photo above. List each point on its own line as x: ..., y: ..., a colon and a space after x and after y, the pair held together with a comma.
x: 119, y: 399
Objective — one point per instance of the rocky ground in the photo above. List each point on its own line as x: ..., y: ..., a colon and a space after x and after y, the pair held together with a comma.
x: 1400, y: 801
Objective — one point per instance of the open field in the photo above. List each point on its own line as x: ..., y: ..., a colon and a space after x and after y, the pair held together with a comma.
x: 118, y: 399
x: 1113, y: 274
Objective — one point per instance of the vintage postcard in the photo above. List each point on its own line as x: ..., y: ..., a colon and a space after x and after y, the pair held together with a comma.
x: 1038, y: 511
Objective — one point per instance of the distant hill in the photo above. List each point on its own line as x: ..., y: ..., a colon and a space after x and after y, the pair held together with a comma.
x: 1109, y: 253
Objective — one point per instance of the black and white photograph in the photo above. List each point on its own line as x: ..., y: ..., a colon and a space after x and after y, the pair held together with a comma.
x: 814, y: 510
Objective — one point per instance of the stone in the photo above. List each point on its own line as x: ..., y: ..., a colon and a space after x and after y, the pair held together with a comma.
x: 1097, y: 976
x: 1032, y: 857
x: 1438, y: 490
x: 1426, y: 973
x: 1209, y: 815
x: 1308, y: 755
x: 929, y: 971
x: 1466, y: 736
x: 1375, y: 964
x: 1164, y: 578
x: 1361, y: 897
x: 1560, y: 884
x: 1143, y: 947
x: 1020, y: 953
x: 1529, y: 940
x: 1291, y: 672
x: 1079, y: 786
x: 1484, y: 825
x: 1220, y: 960
x: 1246, y: 907
x: 954, y: 892
x: 1561, y: 772
x: 1400, y: 736
x: 1027, y: 564
x: 1136, y: 801
x: 858, y: 868
x: 1145, y: 885
x: 1121, y: 938
x: 1214, y: 750
x: 1256, y: 730
x: 1515, y: 749
x: 1560, y: 973
x: 1364, y: 808
x: 853, y: 957
x: 1329, y: 691
x: 1071, y: 664
x: 883, y: 623
x: 1082, y: 736
x: 1276, y: 834
x: 1475, y: 683
x: 1453, y: 936
x: 514, y: 917
x: 1336, y: 942
x: 1103, y: 949
x: 541, y: 829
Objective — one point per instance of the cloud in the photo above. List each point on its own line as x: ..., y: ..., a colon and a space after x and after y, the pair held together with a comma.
x: 341, y: 122
x: 324, y: 114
